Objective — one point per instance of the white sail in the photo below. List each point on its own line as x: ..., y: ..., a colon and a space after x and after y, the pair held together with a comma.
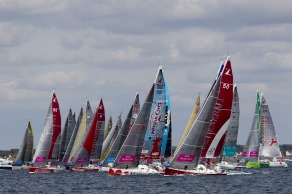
x: 269, y: 145
x: 232, y: 130
x: 111, y: 136
x: 82, y: 131
x: 48, y: 145
x: 130, y: 152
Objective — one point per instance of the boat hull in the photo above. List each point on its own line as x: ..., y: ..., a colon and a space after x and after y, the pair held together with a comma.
x: 5, y: 167
x: 84, y: 169
x: 278, y: 164
x: 201, y: 170
x: 40, y: 170
x: 134, y: 171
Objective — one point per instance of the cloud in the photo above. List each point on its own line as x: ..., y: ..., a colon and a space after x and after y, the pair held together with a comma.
x: 88, y: 50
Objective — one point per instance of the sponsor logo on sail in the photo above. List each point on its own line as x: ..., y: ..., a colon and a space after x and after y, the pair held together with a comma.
x: 155, y: 118
x: 228, y: 72
x: 40, y: 159
x: 81, y: 160
x: 127, y: 158
x: 253, y: 154
x: 96, y: 135
x: 186, y: 158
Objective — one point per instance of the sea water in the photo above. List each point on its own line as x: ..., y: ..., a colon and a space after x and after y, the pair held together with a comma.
x: 265, y: 180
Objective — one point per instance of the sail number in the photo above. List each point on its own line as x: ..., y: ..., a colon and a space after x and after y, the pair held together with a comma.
x: 226, y: 86
x: 55, y: 110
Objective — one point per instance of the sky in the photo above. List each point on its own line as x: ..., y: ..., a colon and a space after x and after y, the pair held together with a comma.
x: 92, y: 49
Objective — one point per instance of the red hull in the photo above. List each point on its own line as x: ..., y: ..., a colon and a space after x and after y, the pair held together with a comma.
x: 40, y: 170
x: 84, y: 169
x: 177, y: 172
x: 116, y: 172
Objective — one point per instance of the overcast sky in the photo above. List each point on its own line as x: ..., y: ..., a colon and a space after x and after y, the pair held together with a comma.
x: 88, y: 49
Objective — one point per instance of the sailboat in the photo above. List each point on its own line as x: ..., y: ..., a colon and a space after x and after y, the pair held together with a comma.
x: 155, y: 130
x: 90, y: 150
x: 252, y: 146
x: 186, y: 160
x: 229, y: 148
x: 67, y: 133
x: 128, y: 159
x: 49, y: 143
x: 221, y: 117
x: 122, y: 134
x: 81, y: 132
x: 72, y: 138
x: 25, y: 152
x: 269, y: 148
x: 108, y: 141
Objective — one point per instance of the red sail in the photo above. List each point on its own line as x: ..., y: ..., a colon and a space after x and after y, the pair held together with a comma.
x: 93, y: 133
x: 221, y: 114
x: 56, y: 123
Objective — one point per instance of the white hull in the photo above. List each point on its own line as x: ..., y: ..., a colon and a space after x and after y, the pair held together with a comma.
x: 226, y: 166
x: 140, y: 170
x: 278, y: 164
x: 5, y: 164
x: 23, y: 167
x: 104, y: 169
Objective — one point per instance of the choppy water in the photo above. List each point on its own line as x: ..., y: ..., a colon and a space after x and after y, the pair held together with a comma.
x: 269, y: 180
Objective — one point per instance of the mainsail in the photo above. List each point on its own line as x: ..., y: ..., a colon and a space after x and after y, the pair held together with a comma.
x: 188, y: 154
x: 252, y: 146
x: 191, y: 120
x: 269, y: 145
x: 82, y: 131
x: 108, y: 127
x: 130, y: 152
x: 91, y: 147
x: 107, y: 143
x: 73, y: 137
x: 221, y: 116
x: 230, y: 143
x: 67, y: 133
x: 123, y: 132
x: 166, y: 141
x: 48, y: 146
x: 155, y: 130
x: 25, y: 152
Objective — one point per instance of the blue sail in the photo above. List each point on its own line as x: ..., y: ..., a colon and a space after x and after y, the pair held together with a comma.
x: 166, y: 142
x: 155, y: 129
